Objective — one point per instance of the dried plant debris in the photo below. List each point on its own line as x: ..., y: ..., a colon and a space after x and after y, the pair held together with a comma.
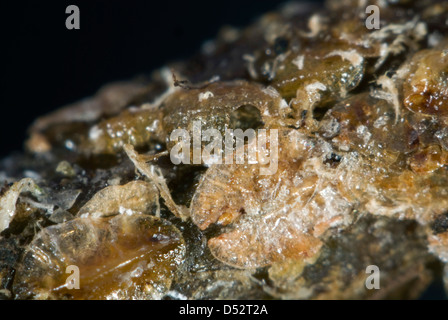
x: 8, y: 202
x: 356, y: 119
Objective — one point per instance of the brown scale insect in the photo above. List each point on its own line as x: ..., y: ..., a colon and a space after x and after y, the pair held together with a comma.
x: 121, y: 257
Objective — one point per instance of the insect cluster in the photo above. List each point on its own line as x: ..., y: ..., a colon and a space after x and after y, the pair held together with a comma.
x: 361, y: 176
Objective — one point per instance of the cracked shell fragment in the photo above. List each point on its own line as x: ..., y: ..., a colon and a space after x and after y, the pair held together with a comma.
x: 122, y: 257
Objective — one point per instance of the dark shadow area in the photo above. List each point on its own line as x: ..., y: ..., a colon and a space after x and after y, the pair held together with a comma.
x: 46, y: 66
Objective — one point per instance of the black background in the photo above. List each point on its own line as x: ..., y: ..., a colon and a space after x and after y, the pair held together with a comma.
x: 45, y: 66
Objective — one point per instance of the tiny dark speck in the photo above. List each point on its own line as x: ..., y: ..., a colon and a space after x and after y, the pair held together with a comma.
x: 304, y: 113
x: 333, y: 160
x: 281, y: 45
x: 440, y: 224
